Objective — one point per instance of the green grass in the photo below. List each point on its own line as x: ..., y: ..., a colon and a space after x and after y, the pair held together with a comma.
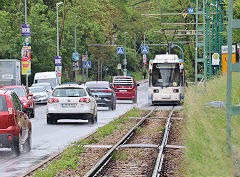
x: 70, y: 156
x: 205, y: 131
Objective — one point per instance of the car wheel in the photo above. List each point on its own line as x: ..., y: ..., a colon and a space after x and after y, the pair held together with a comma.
x: 91, y: 119
x: 27, y: 145
x: 95, y: 119
x: 135, y: 100
x: 16, y: 146
x: 32, y: 113
x: 49, y: 119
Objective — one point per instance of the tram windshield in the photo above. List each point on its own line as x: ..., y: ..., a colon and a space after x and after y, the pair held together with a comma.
x: 166, y: 75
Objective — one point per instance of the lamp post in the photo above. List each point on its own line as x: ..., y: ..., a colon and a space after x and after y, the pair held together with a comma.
x: 59, y: 78
x: 125, y: 57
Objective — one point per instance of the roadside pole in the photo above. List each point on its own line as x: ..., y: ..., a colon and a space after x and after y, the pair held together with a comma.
x: 26, y: 23
x: 87, y: 66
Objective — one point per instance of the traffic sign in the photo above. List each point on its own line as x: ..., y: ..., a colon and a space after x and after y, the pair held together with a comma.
x: 119, y: 66
x: 84, y: 57
x: 120, y: 50
x: 87, y: 64
x: 75, y: 56
x: 190, y: 10
x: 58, y: 61
x: 145, y: 50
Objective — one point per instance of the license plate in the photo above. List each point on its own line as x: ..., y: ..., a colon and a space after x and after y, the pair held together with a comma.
x: 122, y: 90
x: 97, y: 98
x: 69, y: 105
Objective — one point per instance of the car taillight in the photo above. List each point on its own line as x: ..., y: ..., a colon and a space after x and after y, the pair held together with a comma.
x: 53, y: 100
x: 24, y: 103
x: 84, y: 100
x: 108, y: 91
x: 11, y: 119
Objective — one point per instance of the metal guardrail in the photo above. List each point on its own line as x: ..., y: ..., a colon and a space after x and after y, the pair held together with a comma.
x: 159, y: 161
x: 108, y: 155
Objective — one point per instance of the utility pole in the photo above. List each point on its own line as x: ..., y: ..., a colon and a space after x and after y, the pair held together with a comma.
x: 125, y: 58
x: 75, y: 36
x: 26, y: 23
x: 87, y: 66
x: 59, y: 78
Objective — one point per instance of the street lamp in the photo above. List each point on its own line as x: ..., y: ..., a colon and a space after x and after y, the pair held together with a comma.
x: 59, y: 78
x: 125, y: 58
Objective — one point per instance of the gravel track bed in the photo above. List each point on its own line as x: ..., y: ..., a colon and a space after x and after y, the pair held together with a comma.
x: 87, y: 160
x: 135, y: 162
x: 175, y: 135
x: 174, y: 158
x: 173, y: 163
x: 160, y: 114
x: 150, y: 133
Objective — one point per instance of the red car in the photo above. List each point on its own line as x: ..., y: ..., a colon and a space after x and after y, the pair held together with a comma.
x: 15, y: 126
x: 25, y: 97
x: 125, y: 88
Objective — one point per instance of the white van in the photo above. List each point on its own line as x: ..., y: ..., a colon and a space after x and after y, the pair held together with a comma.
x: 46, y: 77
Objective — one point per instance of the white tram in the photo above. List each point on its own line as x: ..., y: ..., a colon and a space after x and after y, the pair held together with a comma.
x: 166, y: 80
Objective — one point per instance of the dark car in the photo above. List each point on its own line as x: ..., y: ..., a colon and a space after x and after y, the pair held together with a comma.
x: 25, y: 97
x: 103, y: 93
x: 15, y: 126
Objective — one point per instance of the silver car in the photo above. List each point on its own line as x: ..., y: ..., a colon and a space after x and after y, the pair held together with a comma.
x: 40, y: 94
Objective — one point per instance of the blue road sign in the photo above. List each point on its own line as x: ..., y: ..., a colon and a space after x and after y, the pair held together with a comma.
x: 145, y: 50
x: 191, y: 10
x: 120, y: 50
x: 89, y: 64
x: 75, y: 56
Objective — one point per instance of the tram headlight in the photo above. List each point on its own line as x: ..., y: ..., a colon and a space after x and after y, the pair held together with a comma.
x: 155, y: 91
x: 175, y: 90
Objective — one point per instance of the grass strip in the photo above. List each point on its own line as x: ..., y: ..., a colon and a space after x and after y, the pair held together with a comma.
x: 205, y: 131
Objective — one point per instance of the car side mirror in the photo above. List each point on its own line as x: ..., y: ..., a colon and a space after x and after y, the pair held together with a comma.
x: 30, y: 94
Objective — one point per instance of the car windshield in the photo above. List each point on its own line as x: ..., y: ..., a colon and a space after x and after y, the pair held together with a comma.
x: 36, y: 89
x: 69, y: 92
x: 3, y: 104
x: 52, y: 81
x: 19, y: 91
x: 97, y: 85
x: 42, y: 85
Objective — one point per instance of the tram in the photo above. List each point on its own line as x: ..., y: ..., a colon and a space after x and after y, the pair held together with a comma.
x: 166, y: 80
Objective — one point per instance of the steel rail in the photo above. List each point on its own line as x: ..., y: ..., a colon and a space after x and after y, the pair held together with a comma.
x: 159, y: 161
x: 108, y: 155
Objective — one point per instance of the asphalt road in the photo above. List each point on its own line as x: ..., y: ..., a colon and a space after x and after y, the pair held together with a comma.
x: 48, y: 139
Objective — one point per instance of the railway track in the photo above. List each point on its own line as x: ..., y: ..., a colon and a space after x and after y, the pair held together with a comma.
x: 140, y: 152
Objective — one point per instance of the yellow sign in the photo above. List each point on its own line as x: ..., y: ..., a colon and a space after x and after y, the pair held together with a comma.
x: 184, y: 15
x: 26, y: 67
x: 193, y: 32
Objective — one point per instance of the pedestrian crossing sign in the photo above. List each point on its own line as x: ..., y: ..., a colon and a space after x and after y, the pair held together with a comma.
x: 145, y: 50
x: 120, y: 50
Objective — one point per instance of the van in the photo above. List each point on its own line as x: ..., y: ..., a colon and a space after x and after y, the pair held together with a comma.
x: 125, y: 88
x: 46, y: 77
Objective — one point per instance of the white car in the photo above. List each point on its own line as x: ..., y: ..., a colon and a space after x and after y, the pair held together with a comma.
x: 71, y: 101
